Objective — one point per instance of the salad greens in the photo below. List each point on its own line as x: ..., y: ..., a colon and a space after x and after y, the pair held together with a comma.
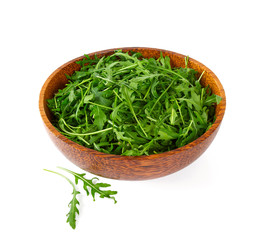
x: 125, y: 104
x: 89, y: 186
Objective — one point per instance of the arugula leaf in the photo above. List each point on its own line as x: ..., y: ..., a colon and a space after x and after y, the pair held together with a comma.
x: 72, y: 95
x: 167, y: 134
x: 99, y: 117
x: 87, y: 98
x: 212, y: 99
x: 95, y: 187
x: 100, y: 97
x: 120, y: 136
x: 71, y: 216
x: 173, y: 116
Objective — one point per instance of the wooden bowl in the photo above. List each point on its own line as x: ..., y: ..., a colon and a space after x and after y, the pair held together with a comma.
x: 131, y: 167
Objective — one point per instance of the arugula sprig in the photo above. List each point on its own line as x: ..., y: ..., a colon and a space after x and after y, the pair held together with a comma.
x: 89, y: 186
x: 126, y: 104
x: 94, y: 187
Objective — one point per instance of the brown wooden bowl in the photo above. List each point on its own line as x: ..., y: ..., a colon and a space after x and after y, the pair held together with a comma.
x: 131, y: 167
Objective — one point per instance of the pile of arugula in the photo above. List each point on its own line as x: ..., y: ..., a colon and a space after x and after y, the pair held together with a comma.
x: 125, y: 104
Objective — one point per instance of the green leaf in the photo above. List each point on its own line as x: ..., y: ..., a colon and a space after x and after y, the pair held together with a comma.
x: 71, y: 216
x: 79, y: 74
x: 99, y: 117
x: 173, y: 116
x: 131, y: 152
x: 218, y: 99
x: 191, y: 102
x: 212, y: 99
x: 115, y: 113
x: 95, y: 187
x: 120, y: 136
x: 87, y: 98
x: 99, y: 97
x: 72, y: 95
x: 167, y: 135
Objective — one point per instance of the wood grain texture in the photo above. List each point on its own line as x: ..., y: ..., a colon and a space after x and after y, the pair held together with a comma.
x: 128, y: 167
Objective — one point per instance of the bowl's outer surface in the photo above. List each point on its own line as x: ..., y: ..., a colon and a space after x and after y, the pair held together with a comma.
x: 127, y: 167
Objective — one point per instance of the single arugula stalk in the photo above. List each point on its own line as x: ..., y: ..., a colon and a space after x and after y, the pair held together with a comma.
x: 71, y: 216
x: 88, y: 186
x: 125, y: 104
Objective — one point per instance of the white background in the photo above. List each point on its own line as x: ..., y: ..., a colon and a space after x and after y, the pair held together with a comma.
x: 214, y: 198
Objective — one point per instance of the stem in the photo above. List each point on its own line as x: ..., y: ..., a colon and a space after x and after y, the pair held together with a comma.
x: 152, y: 119
x: 124, y: 55
x: 132, y: 111
x: 202, y: 92
x: 186, y: 59
x: 171, y: 71
x: 117, y: 95
x: 188, y: 128
x: 83, y: 82
x: 125, y: 68
x: 99, y: 105
x: 68, y: 126
x: 179, y: 110
x: 147, y: 92
x: 201, y: 75
x: 73, y: 185
x: 79, y: 105
x: 106, y: 79
x: 160, y: 97
x: 99, y: 63
x: 83, y: 140
x: 56, y: 105
x: 112, y: 123
x: 83, y: 134
x: 82, y: 179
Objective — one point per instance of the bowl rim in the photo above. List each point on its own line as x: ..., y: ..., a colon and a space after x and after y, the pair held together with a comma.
x: 202, y: 138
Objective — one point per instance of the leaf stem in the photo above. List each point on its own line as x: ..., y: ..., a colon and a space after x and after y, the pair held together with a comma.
x: 161, y: 96
x: 99, y: 105
x: 73, y: 185
x: 179, y: 111
x: 186, y: 59
x: 132, y: 110
x: 188, y: 128
x: 84, y: 134
x: 201, y: 75
x: 88, y: 183
x: 117, y: 95
x: 73, y: 208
